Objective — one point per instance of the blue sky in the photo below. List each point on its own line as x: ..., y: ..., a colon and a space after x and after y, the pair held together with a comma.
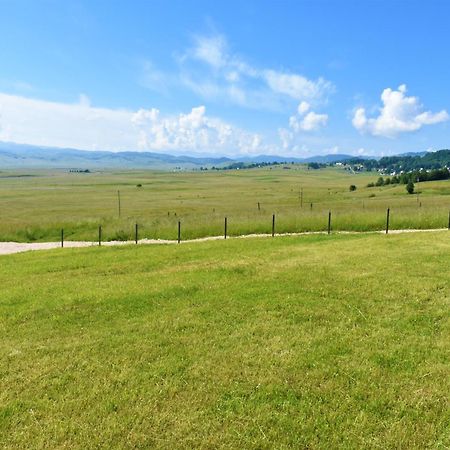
x: 232, y: 77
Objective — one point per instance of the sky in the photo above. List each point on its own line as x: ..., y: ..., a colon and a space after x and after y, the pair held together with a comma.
x: 293, y: 78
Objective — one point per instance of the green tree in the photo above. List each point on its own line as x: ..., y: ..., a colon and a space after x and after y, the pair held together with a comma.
x: 379, y: 182
x: 410, y: 187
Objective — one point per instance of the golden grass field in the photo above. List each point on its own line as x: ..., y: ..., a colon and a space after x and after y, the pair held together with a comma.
x: 35, y: 205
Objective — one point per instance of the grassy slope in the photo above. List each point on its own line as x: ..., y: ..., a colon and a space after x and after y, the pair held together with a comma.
x: 35, y: 208
x: 313, y: 341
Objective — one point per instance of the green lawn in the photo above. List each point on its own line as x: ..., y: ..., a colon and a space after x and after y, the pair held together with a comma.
x: 35, y: 208
x: 294, y: 342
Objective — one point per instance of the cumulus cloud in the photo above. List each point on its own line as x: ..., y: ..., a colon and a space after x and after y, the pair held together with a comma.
x: 399, y: 114
x: 310, y: 122
x: 194, y: 131
x: 307, y: 121
x: 304, y: 120
x: 82, y: 126
x: 229, y: 74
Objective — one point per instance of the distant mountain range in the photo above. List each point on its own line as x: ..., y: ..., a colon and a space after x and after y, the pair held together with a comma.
x: 30, y: 156
x: 13, y: 156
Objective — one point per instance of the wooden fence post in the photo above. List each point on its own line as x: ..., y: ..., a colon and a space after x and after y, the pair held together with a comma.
x: 273, y: 225
x: 99, y: 235
x: 179, y: 231
x: 449, y: 220
x: 62, y: 237
x: 387, y: 220
x: 136, y: 233
x: 259, y: 206
x: 225, y: 228
x: 329, y: 222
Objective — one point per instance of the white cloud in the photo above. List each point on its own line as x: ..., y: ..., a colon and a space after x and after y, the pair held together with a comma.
x: 296, y: 86
x: 258, y: 87
x: 307, y: 121
x: 82, y: 126
x: 303, y: 107
x: 286, y: 138
x: 399, y: 114
x: 310, y: 122
x: 211, y: 50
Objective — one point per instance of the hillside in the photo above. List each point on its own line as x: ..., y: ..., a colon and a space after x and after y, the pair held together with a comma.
x: 312, y: 342
x: 407, y: 162
x: 27, y: 156
x: 13, y: 156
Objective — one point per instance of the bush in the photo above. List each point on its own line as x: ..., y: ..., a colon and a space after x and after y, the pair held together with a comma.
x: 371, y: 185
x: 410, y: 187
x: 380, y: 182
x: 352, y: 187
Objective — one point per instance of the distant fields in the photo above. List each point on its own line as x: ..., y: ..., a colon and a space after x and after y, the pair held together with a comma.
x: 36, y: 207
x: 300, y: 342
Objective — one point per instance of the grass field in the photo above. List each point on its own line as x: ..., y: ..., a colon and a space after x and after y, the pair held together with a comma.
x: 305, y: 342
x: 35, y: 208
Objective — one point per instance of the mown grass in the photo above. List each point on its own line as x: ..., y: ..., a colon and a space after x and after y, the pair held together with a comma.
x: 295, y: 342
x: 36, y: 208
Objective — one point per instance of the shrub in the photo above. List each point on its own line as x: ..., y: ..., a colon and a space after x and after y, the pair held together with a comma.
x: 410, y: 187
x: 352, y: 187
x: 380, y: 182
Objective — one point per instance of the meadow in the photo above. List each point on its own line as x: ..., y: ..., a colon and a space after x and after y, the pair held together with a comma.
x: 295, y: 342
x: 35, y: 205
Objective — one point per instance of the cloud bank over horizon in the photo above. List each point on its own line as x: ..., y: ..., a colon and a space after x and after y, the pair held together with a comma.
x: 82, y: 126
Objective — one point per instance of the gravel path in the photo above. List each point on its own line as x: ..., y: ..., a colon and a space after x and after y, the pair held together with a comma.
x: 7, y: 248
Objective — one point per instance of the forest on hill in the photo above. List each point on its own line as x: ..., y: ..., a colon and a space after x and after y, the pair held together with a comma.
x: 406, y: 163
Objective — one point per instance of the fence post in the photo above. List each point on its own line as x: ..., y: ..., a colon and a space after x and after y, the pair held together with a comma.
x: 311, y: 206
x: 136, y: 233
x: 62, y: 237
x: 225, y: 228
x: 259, y: 206
x: 449, y: 220
x: 329, y: 222
x: 273, y: 225
x: 179, y: 231
x: 99, y: 235
x: 387, y: 220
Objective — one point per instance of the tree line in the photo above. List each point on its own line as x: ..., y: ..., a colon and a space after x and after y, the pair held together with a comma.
x: 405, y: 163
x: 415, y: 176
